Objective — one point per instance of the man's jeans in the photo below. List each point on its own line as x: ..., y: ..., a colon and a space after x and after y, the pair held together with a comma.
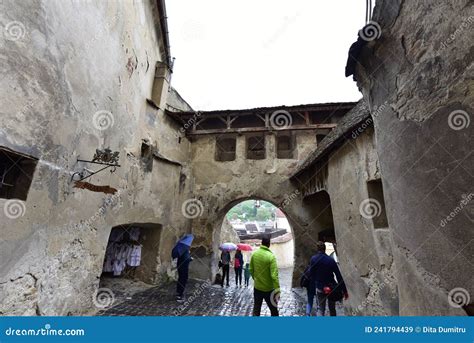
x: 322, y: 298
x: 258, y: 297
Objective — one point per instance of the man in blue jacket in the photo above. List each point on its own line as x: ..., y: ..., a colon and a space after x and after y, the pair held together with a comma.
x: 322, y: 270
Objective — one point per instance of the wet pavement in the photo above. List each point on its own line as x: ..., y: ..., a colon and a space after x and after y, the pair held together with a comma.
x: 204, y: 299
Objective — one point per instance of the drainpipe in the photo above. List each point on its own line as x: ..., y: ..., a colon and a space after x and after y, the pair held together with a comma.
x: 164, y: 31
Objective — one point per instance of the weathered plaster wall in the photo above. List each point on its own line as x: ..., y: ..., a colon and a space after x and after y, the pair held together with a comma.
x: 364, y: 252
x: 228, y: 233
x: 75, y: 59
x: 221, y: 185
x: 419, y: 75
x: 284, y: 253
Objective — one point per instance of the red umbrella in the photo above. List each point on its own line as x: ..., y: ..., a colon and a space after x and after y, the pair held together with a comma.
x: 244, y: 247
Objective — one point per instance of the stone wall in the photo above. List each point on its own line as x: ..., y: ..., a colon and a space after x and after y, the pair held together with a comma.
x: 221, y: 185
x: 75, y: 78
x: 364, y: 251
x: 417, y: 77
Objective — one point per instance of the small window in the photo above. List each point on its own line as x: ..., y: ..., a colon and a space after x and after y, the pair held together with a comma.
x: 225, y: 149
x: 147, y: 156
x: 375, y: 191
x: 256, y: 147
x: 16, y: 174
x: 285, y: 146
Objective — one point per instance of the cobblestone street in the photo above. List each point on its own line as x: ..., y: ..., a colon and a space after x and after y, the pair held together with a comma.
x: 203, y: 299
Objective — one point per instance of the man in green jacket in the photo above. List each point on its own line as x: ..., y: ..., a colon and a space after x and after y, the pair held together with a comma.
x: 264, y: 271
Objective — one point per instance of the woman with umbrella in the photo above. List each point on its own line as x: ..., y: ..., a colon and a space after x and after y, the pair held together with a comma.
x: 239, y: 262
x: 238, y: 265
x: 181, y: 252
x: 225, y: 260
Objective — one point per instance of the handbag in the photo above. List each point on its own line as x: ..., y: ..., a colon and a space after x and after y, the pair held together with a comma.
x: 304, y: 281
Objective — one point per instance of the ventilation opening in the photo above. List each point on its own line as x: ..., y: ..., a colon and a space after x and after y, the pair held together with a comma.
x: 256, y: 147
x: 225, y: 149
x: 375, y: 191
x: 16, y: 174
x: 285, y: 146
x: 147, y: 156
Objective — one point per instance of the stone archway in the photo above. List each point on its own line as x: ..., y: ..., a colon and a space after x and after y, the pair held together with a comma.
x: 301, y: 216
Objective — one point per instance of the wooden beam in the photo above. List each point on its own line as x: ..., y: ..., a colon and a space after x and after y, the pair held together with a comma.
x: 253, y: 112
x: 306, y: 118
x: 196, y: 132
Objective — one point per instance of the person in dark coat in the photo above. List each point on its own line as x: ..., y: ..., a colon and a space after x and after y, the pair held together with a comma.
x: 183, y: 268
x: 322, y: 270
x: 238, y: 266
x: 225, y: 261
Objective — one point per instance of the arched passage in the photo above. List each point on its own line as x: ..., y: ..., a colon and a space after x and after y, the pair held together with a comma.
x: 249, y: 221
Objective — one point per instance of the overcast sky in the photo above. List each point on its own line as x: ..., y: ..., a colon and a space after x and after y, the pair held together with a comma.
x: 255, y: 53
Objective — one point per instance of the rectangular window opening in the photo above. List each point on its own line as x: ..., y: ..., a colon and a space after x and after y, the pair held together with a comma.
x: 225, y: 149
x: 16, y: 174
x: 375, y: 190
x: 147, y: 156
x: 285, y: 146
x: 256, y: 147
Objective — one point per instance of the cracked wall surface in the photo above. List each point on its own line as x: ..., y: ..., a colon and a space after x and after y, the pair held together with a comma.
x: 74, y: 60
x: 420, y: 72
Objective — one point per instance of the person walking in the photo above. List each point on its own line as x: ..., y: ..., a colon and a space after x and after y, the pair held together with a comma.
x: 238, y: 266
x: 183, y: 270
x: 247, y: 274
x: 321, y: 271
x: 182, y: 253
x: 264, y: 271
x: 225, y: 262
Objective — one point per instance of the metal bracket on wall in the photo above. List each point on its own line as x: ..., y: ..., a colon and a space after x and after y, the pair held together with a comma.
x: 103, y: 157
